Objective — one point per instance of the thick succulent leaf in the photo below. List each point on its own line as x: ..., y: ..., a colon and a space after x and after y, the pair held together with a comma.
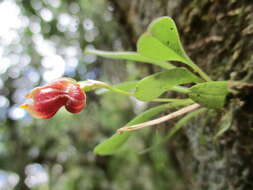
x: 162, y: 42
x: 210, y: 94
x: 112, y: 145
x: 131, y: 56
x: 153, y: 86
x: 151, y: 47
x: 165, y: 30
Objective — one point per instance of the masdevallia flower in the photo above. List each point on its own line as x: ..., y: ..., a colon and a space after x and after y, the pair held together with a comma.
x: 48, y: 99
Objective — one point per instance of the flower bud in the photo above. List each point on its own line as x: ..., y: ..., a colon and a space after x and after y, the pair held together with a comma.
x: 48, y: 99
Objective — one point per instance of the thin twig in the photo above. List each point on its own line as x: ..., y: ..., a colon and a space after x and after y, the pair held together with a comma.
x: 173, y: 115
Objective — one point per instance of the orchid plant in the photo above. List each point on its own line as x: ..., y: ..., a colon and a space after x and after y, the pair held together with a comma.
x: 159, y: 46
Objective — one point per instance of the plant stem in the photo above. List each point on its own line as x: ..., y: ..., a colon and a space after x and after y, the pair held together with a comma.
x: 90, y: 85
x: 197, y: 69
x: 181, y: 89
x: 119, y: 91
x: 168, y: 100
x: 201, y: 72
x: 180, y: 123
x: 159, y: 120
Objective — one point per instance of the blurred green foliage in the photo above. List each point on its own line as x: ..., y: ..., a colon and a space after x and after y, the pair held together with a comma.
x: 57, y: 153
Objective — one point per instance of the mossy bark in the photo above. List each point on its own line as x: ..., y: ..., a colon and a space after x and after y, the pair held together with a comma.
x: 218, y: 36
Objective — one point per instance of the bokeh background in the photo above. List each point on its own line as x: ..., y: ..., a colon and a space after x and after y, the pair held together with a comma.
x: 41, y: 40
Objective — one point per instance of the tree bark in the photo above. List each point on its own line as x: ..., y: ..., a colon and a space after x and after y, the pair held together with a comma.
x: 218, y: 36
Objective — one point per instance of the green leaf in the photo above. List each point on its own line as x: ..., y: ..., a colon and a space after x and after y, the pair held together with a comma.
x: 127, y: 85
x: 165, y: 30
x: 210, y: 94
x: 151, y: 47
x: 153, y: 86
x: 131, y: 56
x: 112, y: 145
x: 162, y: 42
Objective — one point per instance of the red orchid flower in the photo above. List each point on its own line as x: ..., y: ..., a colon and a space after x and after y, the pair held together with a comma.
x: 48, y: 99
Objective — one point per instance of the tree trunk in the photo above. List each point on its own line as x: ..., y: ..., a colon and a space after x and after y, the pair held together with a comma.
x: 218, y: 36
